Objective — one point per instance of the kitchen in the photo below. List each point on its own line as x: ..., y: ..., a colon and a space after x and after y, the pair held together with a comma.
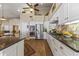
x: 19, y: 23
x: 57, y: 23
x: 63, y: 30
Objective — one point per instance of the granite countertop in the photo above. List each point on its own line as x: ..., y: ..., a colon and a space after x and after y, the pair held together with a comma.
x: 6, y: 41
x: 70, y: 42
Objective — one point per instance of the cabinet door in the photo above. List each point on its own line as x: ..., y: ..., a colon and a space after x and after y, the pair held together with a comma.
x: 62, y: 13
x: 57, y: 51
x: 65, y: 12
x: 59, y: 14
x: 66, y: 51
x: 10, y: 51
x: 20, y: 48
x: 73, y: 9
x: 51, y: 42
x: 45, y: 35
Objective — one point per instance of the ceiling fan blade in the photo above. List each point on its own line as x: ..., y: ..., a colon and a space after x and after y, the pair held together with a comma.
x: 36, y: 9
x: 36, y: 4
x: 46, y: 13
x: 29, y: 5
x: 23, y: 12
x: 25, y: 8
x: 32, y: 7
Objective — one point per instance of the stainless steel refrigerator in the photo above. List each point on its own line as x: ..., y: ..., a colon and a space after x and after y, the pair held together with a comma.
x: 39, y: 31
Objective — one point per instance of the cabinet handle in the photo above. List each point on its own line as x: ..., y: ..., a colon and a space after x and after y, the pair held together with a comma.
x: 61, y: 47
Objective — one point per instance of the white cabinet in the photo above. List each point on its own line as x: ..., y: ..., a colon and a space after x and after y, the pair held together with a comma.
x: 44, y: 35
x: 63, y: 49
x: 73, y: 9
x: 63, y: 13
x: 20, y: 48
x: 66, y: 12
x: 16, y: 49
x: 58, y: 48
x: 50, y: 41
x: 10, y: 51
x: 70, y: 12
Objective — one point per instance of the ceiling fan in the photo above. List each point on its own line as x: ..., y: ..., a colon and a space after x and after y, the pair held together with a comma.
x: 31, y: 7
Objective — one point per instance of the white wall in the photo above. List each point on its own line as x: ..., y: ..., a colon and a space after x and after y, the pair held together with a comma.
x: 25, y: 20
x: 23, y: 27
x: 8, y: 24
x: 46, y: 25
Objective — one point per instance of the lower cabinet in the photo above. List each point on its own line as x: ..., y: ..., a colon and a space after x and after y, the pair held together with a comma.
x: 63, y: 49
x: 10, y: 51
x: 58, y: 48
x: 16, y: 49
x: 20, y: 48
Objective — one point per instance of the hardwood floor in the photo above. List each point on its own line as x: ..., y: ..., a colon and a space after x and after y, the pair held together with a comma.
x: 37, y: 47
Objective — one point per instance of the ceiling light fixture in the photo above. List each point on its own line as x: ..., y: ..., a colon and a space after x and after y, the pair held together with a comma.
x: 31, y: 9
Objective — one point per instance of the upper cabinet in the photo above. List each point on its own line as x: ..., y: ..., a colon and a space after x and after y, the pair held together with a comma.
x: 55, y: 12
x: 63, y: 13
x: 73, y: 9
x: 66, y: 12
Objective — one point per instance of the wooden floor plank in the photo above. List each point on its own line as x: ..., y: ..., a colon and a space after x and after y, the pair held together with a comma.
x: 39, y: 47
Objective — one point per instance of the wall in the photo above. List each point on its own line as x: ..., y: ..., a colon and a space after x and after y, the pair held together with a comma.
x: 8, y: 24
x: 25, y: 20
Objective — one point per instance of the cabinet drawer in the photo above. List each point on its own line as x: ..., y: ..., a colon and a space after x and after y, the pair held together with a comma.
x: 63, y: 48
x: 66, y: 50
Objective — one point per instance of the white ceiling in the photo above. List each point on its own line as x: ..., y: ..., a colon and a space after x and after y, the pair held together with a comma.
x: 10, y: 9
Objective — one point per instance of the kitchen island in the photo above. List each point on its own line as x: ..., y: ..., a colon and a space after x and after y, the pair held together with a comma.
x: 62, y: 46
x: 11, y: 46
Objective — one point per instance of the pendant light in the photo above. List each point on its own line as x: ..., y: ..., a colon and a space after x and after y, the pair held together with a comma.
x: 2, y: 14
